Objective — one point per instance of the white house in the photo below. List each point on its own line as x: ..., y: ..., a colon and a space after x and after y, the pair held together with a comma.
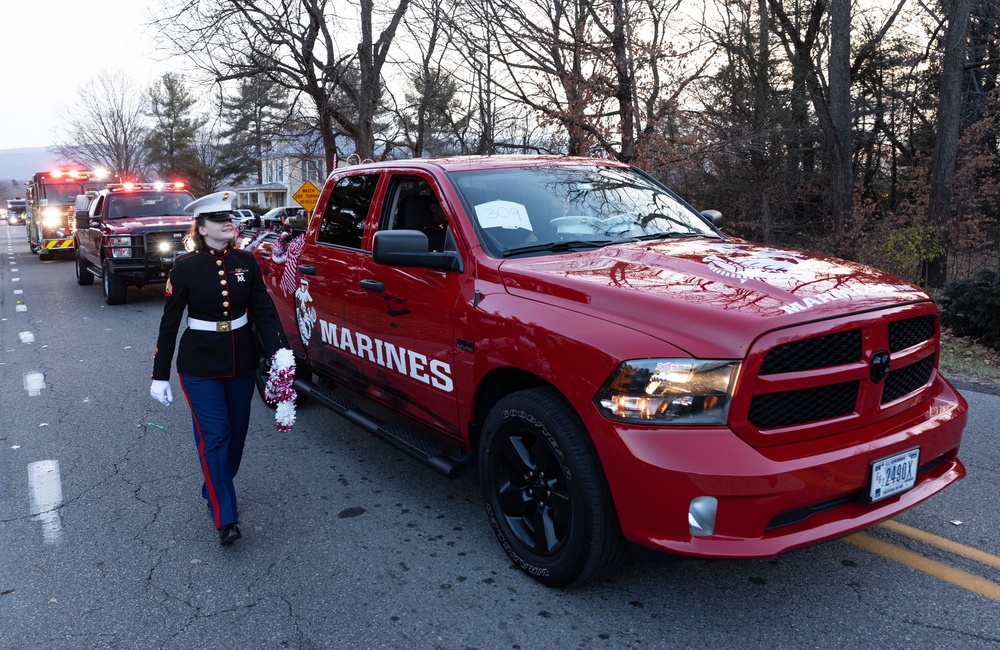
x: 284, y: 170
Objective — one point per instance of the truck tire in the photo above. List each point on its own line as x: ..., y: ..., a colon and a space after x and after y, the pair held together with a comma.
x: 115, y: 288
x: 45, y: 254
x: 545, y: 494
x: 84, y: 277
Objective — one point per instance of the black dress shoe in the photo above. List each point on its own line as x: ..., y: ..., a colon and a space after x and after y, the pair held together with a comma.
x: 229, y: 534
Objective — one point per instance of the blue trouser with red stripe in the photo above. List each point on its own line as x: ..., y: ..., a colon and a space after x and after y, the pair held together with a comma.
x: 220, y: 413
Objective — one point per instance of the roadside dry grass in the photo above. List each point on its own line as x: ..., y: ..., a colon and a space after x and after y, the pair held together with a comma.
x: 964, y: 360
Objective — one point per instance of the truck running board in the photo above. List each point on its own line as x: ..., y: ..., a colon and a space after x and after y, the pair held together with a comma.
x: 446, y: 462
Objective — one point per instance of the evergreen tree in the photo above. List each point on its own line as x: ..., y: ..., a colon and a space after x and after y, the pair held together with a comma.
x: 435, y: 122
x: 172, y: 139
x: 254, y: 116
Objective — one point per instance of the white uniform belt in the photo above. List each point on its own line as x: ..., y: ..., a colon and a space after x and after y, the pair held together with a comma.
x: 217, y: 326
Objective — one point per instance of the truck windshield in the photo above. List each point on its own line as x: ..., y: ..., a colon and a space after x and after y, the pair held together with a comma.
x: 62, y: 193
x: 561, y: 208
x: 147, y: 204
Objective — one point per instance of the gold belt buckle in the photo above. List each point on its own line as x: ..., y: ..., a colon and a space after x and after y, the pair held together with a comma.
x: 223, y: 326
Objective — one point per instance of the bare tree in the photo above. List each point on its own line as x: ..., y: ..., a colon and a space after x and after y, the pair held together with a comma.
x: 496, y: 124
x: 604, y: 71
x: 434, y: 119
x: 304, y: 46
x: 829, y: 87
x: 107, y: 127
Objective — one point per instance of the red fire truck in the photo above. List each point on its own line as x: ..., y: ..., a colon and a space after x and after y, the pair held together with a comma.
x: 51, y: 196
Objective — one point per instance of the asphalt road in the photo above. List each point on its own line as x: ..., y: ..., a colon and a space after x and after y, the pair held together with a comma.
x: 105, y: 541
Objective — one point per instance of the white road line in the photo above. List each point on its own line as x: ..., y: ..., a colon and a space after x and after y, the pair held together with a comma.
x: 45, y: 488
x: 21, y: 308
x: 27, y: 337
x: 34, y: 382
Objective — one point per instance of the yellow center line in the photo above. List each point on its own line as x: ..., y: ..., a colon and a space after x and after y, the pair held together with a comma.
x: 942, y: 543
x: 957, y: 577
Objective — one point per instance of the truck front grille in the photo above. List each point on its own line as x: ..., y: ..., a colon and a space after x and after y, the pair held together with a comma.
x: 908, y: 379
x: 792, y: 407
x: 158, y: 245
x: 818, y: 352
x: 912, y: 331
x: 818, y: 379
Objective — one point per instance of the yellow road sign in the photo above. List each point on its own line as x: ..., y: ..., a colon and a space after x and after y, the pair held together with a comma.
x: 307, y: 195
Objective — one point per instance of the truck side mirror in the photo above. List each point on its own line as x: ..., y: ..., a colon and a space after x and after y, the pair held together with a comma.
x: 410, y: 248
x: 714, y: 217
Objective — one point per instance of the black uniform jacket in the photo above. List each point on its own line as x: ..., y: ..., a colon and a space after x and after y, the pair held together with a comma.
x: 216, y: 286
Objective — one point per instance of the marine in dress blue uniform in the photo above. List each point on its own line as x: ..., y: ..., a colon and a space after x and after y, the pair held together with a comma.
x: 223, y: 292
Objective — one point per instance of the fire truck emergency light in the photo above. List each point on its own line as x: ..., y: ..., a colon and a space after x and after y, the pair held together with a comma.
x: 70, y: 174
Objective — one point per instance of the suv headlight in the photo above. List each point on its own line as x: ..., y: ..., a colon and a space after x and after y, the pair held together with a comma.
x: 120, y: 246
x: 670, y: 391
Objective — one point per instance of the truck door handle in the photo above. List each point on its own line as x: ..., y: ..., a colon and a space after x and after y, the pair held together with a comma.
x: 308, y: 269
x: 373, y: 285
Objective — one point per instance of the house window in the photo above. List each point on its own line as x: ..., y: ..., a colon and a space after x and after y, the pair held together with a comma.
x: 274, y: 171
x: 310, y: 170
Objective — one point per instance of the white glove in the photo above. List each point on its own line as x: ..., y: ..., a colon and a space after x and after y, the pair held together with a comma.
x: 160, y: 391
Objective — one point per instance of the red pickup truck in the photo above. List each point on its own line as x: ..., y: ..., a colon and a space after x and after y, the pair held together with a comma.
x: 129, y: 234
x: 617, y: 367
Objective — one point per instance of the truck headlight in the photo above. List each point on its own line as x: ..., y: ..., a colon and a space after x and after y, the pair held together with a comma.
x: 670, y: 391
x: 120, y: 246
x: 52, y: 217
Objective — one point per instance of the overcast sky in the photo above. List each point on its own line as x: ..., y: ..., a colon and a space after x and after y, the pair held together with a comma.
x: 50, y: 48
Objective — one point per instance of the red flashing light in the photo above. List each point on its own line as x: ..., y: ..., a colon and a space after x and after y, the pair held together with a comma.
x: 178, y: 185
x: 69, y: 174
x: 128, y: 186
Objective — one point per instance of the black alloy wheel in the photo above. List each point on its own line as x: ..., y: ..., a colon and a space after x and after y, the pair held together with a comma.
x: 546, y: 497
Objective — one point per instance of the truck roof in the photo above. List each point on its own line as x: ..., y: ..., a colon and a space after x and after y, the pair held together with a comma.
x: 465, y: 163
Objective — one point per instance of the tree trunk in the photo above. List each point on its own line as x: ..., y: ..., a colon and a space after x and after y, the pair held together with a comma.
x: 948, y: 123
x: 624, y: 91
x: 842, y: 178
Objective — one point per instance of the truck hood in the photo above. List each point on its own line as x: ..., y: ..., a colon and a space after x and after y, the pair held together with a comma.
x: 132, y: 224
x: 710, y: 298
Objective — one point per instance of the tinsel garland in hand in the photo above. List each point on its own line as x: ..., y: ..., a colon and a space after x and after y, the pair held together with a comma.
x: 278, y: 389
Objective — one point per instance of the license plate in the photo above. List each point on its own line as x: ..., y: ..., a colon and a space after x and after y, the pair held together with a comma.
x: 892, y: 475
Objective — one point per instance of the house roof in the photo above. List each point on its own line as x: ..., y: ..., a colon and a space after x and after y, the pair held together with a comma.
x: 264, y: 187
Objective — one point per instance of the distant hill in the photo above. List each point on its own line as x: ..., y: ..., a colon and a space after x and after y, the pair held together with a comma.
x: 21, y: 164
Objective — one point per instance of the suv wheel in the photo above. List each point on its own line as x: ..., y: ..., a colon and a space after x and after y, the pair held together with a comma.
x: 114, y: 287
x: 84, y: 277
x: 545, y: 494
